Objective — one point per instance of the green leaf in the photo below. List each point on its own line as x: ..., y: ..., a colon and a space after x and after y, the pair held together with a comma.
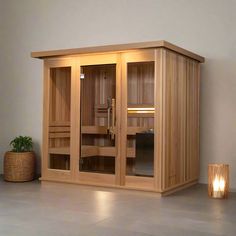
x: 22, y: 144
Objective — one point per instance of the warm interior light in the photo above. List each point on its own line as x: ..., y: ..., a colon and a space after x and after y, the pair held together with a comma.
x: 141, y: 110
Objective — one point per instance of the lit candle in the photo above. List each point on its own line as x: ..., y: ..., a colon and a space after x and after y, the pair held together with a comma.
x: 218, y: 187
x: 218, y: 180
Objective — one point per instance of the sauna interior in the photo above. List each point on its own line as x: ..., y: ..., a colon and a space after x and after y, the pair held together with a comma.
x: 97, y: 102
x: 98, y: 99
x: 59, y: 116
x: 124, y: 116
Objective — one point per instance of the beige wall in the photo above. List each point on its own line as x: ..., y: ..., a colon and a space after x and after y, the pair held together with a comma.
x: 204, y: 26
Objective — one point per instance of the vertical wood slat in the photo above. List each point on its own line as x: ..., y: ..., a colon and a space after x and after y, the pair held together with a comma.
x: 159, y: 119
x: 118, y: 121
x: 46, y: 115
x: 192, y: 152
x: 182, y: 117
x: 189, y: 122
x: 123, y: 136
x: 75, y: 120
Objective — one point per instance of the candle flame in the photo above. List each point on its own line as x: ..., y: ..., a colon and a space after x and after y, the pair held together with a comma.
x: 218, y: 184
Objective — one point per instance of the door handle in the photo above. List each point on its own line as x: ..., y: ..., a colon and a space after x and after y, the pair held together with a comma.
x: 108, y: 115
x: 111, y: 108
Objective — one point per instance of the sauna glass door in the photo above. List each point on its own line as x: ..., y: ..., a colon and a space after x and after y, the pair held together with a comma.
x: 57, y: 116
x: 98, y: 119
x: 139, y: 111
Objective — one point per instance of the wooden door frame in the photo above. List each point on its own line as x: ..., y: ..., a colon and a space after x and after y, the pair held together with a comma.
x: 48, y: 173
x: 146, y: 183
x: 99, y: 178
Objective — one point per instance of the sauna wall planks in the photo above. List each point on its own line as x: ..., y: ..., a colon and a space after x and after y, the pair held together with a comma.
x: 181, y: 126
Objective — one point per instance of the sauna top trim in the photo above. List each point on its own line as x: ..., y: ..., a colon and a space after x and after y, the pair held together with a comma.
x: 117, y: 47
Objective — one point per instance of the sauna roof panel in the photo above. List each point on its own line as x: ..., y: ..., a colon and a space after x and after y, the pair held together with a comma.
x: 116, y: 48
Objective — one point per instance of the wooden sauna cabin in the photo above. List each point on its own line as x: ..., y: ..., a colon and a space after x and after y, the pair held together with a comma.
x: 124, y: 116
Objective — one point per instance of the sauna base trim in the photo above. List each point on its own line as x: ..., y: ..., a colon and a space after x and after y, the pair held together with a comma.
x: 179, y: 187
x: 98, y: 185
x: 163, y: 193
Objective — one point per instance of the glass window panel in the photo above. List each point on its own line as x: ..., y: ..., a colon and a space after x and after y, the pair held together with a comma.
x: 98, y: 94
x: 140, y: 121
x: 59, y: 118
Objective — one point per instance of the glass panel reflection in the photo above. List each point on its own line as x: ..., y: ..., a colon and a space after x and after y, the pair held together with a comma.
x: 98, y: 93
x: 140, y: 112
x: 59, y: 118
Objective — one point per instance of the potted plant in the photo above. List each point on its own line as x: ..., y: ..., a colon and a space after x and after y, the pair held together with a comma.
x: 19, y: 163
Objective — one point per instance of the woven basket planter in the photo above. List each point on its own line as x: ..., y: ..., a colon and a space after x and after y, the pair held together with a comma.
x: 19, y: 166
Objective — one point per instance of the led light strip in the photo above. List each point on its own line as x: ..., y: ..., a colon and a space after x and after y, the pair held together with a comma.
x: 141, y: 110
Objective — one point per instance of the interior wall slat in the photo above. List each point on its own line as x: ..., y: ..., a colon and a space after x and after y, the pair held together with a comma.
x: 60, y: 94
x: 98, y: 85
x: 140, y: 85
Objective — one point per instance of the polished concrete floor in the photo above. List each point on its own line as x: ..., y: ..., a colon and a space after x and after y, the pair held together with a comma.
x: 64, y: 209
